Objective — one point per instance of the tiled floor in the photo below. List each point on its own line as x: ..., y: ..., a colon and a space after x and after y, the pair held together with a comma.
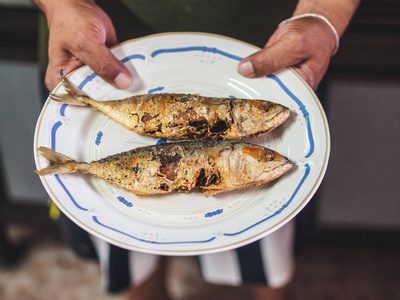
x: 48, y: 270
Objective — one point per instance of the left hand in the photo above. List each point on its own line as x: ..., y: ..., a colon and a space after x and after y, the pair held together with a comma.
x: 305, y: 44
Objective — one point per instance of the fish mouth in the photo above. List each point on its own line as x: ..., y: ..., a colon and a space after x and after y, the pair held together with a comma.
x: 271, y: 174
x: 283, y: 168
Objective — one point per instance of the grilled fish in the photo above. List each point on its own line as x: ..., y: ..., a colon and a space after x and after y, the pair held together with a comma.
x: 213, y: 166
x: 184, y: 116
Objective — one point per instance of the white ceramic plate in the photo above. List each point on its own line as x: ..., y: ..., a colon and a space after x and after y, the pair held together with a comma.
x: 183, y: 224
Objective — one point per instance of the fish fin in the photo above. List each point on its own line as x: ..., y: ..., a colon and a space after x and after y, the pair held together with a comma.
x: 54, y: 156
x: 71, y: 86
x: 62, y: 163
x: 58, y: 169
x: 74, y: 96
x: 67, y: 99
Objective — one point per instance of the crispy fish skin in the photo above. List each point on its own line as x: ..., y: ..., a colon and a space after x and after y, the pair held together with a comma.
x: 185, y: 116
x: 214, y: 166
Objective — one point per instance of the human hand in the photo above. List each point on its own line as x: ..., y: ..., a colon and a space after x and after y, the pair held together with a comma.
x: 80, y: 32
x: 305, y: 44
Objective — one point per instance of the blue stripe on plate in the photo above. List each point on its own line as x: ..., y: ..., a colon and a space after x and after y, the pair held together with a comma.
x: 196, y: 48
x: 53, y: 134
x: 303, y: 109
x: 69, y: 194
x: 124, y: 60
x: 95, y: 219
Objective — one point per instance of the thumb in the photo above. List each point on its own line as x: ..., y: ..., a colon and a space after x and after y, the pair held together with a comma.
x: 106, y: 65
x: 268, y: 60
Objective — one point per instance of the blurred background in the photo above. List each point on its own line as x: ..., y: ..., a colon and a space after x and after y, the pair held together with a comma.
x: 351, y: 247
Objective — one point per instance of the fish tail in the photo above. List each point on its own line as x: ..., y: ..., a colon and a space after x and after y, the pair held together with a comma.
x: 54, y: 156
x: 74, y: 95
x: 61, y: 163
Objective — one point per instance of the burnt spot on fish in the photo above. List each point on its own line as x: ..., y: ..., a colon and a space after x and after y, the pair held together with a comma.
x: 135, y: 169
x: 169, y: 164
x: 187, y: 115
x: 201, y: 179
x: 147, y: 117
x: 182, y: 99
x: 182, y: 188
x: 154, y: 131
x: 204, y: 179
x: 133, y: 116
x: 200, y: 122
x: 219, y: 126
x: 213, y: 179
x: 164, y: 187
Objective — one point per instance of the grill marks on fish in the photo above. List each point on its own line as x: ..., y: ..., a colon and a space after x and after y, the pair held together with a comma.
x: 182, y: 116
x: 213, y: 166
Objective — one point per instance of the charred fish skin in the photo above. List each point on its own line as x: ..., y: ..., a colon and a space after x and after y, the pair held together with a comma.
x: 213, y: 166
x: 185, y: 116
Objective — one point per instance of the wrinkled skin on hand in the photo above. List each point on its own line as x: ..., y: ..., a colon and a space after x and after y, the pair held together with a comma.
x: 80, y: 33
x: 305, y: 44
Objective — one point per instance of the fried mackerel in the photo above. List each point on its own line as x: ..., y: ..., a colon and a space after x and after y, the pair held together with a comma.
x: 213, y: 166
x: 184, y: 116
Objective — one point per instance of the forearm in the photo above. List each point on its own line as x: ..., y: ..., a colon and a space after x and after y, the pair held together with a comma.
x: 338, y: 12
x: 48, y: 6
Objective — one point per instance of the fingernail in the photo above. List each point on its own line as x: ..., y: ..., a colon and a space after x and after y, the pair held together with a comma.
x: 122, y: 81
x: 246, y: 68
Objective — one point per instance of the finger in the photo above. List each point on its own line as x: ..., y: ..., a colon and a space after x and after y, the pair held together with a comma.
x: 270, y: 59
x: 100, y: 59
x: 63, y: 61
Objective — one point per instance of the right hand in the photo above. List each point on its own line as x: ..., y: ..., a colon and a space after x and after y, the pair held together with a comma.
x: 305, y: 44
x: 80, y: 32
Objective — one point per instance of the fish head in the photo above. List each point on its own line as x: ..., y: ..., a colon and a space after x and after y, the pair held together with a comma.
x: 258, y: 117
x: 251, y: 164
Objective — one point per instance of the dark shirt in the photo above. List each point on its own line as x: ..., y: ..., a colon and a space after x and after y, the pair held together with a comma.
x: 251, y: 21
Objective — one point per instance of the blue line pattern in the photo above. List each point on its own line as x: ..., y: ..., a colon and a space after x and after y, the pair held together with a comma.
x: 124, y: 60
x: 151, y: 91
x: 98, y: 138
x: 213, y: 213
x: 69, y: 194
x: 161, y: 141
x: 134, y: 56
x: 53, y: 134
x: 303, y: 110
x: 53, y: 147
x: 87, y: 80
x: 124, y: 201
x: 62, y: 109
x: 151, y: 241
x: 196, y: 48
